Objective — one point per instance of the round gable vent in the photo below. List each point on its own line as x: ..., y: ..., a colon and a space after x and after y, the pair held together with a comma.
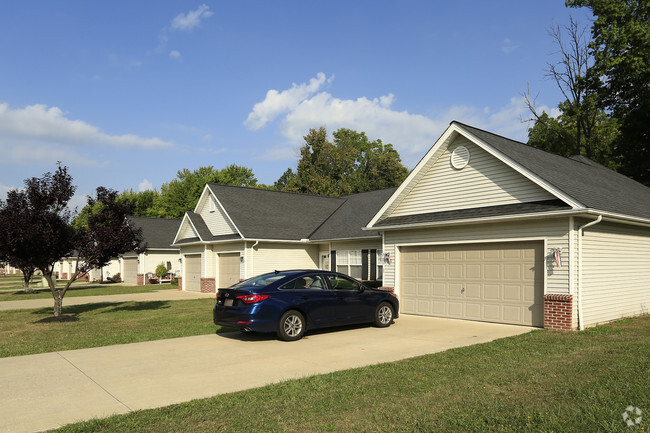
x: 460, y: 157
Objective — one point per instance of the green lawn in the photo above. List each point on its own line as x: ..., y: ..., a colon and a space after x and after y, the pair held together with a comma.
x: 543, y: 381
x: 103, y: 324
x: 82, y: 289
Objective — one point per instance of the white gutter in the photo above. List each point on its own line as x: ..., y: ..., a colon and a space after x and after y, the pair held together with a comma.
x: 579, y: 291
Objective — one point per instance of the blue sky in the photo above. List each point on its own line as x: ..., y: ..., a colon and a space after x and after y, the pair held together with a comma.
x: 127, y: 93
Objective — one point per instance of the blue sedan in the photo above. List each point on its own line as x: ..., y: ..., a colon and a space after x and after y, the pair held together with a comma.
x: 291, y: 302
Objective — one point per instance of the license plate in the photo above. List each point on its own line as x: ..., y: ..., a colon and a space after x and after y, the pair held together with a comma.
x: 228, y: 302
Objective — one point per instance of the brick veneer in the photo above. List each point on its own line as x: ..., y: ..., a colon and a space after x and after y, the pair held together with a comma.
x: 180, y: 283
x: 141, y: 281
x: 208, y: 285
x: 558, y: 312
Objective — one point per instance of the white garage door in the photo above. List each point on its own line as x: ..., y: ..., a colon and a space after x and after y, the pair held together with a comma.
x: 228, y: 269
x: 492, y: 282
x: 130, y: 270
x: 192, y: 281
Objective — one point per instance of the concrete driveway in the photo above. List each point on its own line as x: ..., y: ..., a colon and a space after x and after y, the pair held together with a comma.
x: 40, y: 392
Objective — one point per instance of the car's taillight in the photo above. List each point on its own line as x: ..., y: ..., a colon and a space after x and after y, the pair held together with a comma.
x: 251, y: 299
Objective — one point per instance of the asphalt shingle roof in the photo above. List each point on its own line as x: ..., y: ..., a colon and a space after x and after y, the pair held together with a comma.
x: 156, y: 232
x: 356, y: 212
x: 586, y: 181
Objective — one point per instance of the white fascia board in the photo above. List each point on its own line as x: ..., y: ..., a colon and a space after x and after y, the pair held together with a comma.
x: 201, y: 197
x: 224, y: 211
x: 423, y: 162
x: 607, y: 216
x: 521, y: 170
x: 481, y: 220
x: 361, y: 238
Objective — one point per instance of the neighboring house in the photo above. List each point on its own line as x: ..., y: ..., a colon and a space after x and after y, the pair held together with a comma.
x: 158, y: 234
x: 236, y: 233
x: 484, y: 228
x: 487, y: 228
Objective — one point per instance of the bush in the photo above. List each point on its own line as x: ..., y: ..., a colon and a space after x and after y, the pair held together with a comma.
x: 117, y: 278
x: 174, y: 282
x: 375, y: 283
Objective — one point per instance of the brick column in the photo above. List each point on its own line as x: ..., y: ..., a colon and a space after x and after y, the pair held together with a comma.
x: 208, y: 285
x: 558, y: 312
x: 180, y: 283
x: 141, y: 281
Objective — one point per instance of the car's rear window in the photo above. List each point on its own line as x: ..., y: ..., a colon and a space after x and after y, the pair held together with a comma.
x: 261, y: 280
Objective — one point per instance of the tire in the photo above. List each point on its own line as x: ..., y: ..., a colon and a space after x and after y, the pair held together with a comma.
x: 384, y: 315
x: 291, y: 326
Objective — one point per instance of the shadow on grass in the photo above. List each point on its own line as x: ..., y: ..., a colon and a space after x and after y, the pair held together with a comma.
x: 76, y: 310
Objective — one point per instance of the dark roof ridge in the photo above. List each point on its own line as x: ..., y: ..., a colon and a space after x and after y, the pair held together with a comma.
x: 322, y: 223
x: 272, y: 190
x: 155, y: 218
x: 368, y: 192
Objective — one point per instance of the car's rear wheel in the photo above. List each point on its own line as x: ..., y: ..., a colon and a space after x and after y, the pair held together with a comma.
x: 384, y: 315
x: 291, y: 326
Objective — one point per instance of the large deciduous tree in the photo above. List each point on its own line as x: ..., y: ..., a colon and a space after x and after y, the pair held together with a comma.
x: 41, y: 231
x: 181, y: 194
x: 621, y: 75
x: 582, y: 127
x: 349, y: 164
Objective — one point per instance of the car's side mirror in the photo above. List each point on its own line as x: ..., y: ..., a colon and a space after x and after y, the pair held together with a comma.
x: 362, y: 287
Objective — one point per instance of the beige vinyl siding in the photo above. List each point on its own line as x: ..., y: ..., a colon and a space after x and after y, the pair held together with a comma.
x: 552, y: 230
x: 616, y: 272
x: 357, y: 245
x: 215, y: 217
x: 485, y: 181
x: 268, y: 257
x: 186, y: 231
x: 150, y: 260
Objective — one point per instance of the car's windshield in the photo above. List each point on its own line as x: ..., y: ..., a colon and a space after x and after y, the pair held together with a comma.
x: 261, y: 280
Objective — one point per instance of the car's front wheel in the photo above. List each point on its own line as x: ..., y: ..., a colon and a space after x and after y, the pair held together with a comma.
x: 384, y: 315
x: 291, y: 326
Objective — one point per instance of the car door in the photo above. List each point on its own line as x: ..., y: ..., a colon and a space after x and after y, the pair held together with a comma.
x: 350, y: 303
x: 311, y: 294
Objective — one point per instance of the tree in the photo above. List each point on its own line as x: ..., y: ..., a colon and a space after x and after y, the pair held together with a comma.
x: 100, y: 234
x: 582, y: 128
x: 621, y: 75
x: 348, y: 165
x: 182, y: 194
x: 142, y: 201
x: 161, y: 271
x: 17, y: 236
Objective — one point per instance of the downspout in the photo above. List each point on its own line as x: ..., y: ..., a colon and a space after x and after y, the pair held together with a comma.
x: 253, y: 257
x: 580, y: 235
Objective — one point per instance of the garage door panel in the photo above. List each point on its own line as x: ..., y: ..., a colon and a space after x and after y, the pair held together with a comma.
x: 473, y: 291
x: 492, y: 312
x: 130, y: 270
x: 498, y: 282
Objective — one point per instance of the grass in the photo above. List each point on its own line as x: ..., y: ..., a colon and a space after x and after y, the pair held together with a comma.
x: 542, y: 381
x: 82, y: 289
x: 103, y: 324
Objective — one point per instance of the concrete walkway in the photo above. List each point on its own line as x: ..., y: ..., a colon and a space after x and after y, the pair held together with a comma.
x: 39, y: 392
x: 158, y: 295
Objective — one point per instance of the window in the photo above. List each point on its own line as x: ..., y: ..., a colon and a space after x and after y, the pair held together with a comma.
x: 315, y: 282
x: 212, y: 206
x: 349, y: 262
x: 340, y: 283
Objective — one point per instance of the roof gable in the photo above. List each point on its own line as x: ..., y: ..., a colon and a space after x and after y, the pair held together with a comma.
x: 578, y: 182
x: 267, y: 214
x: 484, y: 181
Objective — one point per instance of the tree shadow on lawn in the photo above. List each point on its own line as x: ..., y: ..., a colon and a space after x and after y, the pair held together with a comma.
x: 71, y: 313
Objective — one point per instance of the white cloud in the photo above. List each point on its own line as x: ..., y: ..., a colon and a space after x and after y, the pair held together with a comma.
x: 77, y: 202
x: 191, y: 19
x: 32, y: 152
x: 304, y: 107
x: 277, y: 103
x: 175, y: 54
x: 4, y: 190
x: 145, y: 185
x: 50, y: 125
x: 508, y: 46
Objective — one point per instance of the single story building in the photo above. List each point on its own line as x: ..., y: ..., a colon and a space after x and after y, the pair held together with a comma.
x: 484, y: 228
